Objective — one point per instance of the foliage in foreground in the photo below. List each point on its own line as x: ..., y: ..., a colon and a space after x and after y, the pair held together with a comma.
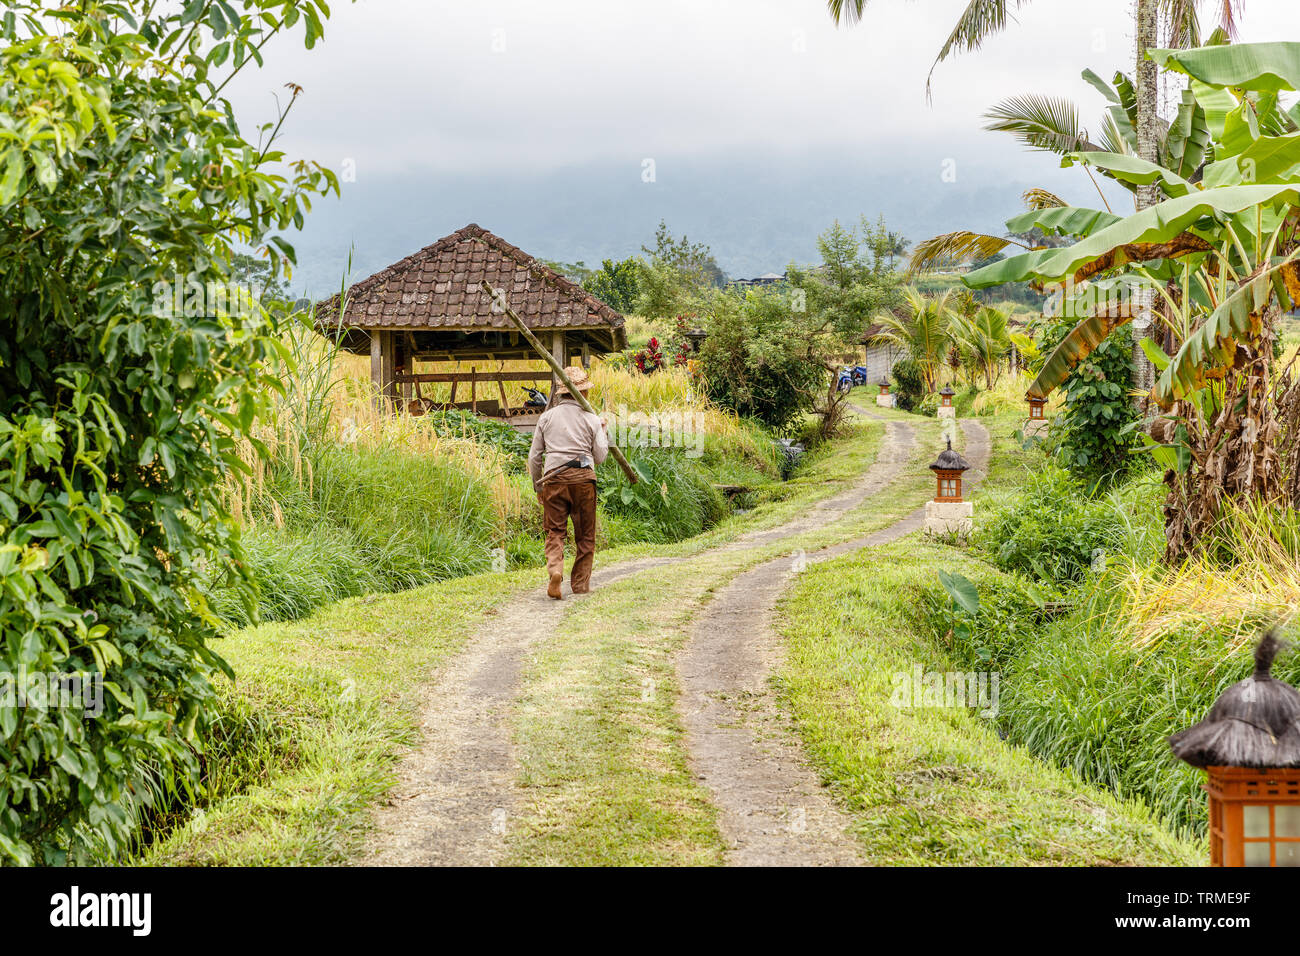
x: 1056, y: 532
x: 122, y: 395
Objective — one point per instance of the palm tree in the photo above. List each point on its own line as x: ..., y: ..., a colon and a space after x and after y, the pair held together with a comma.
x: 921, y: 327
x: 985, y: 339
x: 896, y: 245
x: 983, y: 18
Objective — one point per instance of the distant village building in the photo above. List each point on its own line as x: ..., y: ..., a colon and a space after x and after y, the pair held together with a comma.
x: 879, y: 356
x: 769, y: 278
x: 433, y: 307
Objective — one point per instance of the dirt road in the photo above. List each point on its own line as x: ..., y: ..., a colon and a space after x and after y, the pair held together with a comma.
x: 457, y: 791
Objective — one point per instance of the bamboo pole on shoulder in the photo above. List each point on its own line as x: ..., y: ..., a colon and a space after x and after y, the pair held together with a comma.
x: 499, y: 302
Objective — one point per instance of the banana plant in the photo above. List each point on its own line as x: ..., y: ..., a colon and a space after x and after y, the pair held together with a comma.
x: 1222, y: 253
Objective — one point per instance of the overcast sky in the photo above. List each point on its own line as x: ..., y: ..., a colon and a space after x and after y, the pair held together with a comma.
x: 406, y: 91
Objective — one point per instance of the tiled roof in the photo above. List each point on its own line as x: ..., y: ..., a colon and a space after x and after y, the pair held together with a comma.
x: 872, y: 331
x: 441, y: 287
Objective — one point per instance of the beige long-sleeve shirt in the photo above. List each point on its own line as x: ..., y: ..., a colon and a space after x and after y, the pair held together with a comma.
x: 566, y: 433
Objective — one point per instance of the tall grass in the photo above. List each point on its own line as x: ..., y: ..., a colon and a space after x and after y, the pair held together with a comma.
x: 1008, y: 395
x: 347, y: 500
x: 1247, y: 577
x: 1146, y: 648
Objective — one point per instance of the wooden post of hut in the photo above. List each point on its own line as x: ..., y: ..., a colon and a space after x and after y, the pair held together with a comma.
x: 431, y: 308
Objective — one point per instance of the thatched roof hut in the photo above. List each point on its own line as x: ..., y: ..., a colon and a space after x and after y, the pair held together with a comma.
x: 432, y: 306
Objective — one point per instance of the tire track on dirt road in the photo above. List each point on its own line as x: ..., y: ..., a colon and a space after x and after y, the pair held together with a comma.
x: 773, y: 810
x: 456, y: 790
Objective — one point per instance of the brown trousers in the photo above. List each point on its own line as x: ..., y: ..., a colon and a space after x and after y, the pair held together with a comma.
x: 570, y: 494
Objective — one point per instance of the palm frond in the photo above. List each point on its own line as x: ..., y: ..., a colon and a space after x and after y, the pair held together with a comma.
x: 980, y: 20
x: 1228, y: 12
x: 1183, y: 23
x: 954, y: 248
x: 846, y: 11
x: 921, y: 327
x: 1040, y: 122
x: 1113, y: 139
x: 1038, y: 199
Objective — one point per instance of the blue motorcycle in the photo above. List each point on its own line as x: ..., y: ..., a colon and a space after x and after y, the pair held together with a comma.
x: 851, y: 376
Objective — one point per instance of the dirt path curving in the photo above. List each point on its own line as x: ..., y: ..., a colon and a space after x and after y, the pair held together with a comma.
x: 456, y: 790
x: 773, y: 810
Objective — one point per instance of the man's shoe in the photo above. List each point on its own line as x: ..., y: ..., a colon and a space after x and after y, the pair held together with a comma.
x: 553, y: 589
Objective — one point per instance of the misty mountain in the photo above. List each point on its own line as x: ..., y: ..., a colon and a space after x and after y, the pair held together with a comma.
x: 757, y: 214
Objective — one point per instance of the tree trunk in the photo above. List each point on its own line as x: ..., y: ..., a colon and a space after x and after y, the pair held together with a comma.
x: 1148, y: 137
x: 1234, y: 453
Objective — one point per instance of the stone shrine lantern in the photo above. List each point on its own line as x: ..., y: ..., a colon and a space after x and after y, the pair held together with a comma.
x: 1249, y: 746
x: 948, y: 513
x: 884, y: 399
x: 1037, y: 423
x: 946, y: 409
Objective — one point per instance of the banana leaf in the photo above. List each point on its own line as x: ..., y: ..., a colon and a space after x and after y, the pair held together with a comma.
x: 1246, y: 66
x: 1062, y: 221
x: 1217, y: 104
x: 1101, y: 86
x: 1188, y: 138
x: 1270, y: 159
x: 1170, y: 229
x: 1074, y: 348
x: 1212, y: 347
x: 1121, y: 115
x: 1131, y: 170
x: 1240, y: 131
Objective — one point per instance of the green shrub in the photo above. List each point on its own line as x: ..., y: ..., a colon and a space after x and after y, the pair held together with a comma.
x: 1092, y: 426
x: 121, y: 406
x: 753, y: 362
x: 673, y: 499
x: 909, y: 384
x: 499, y: 434
x: 1055, y: 528
x: 928, y: 405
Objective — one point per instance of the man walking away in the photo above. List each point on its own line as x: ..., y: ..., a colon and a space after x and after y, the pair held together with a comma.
x: 567, y: 446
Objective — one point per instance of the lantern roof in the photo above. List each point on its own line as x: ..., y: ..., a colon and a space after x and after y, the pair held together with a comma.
x: 947, y: 390
x: 949, y: 460
x: 884, y: 381
x: 1254, y: 723
x: 1035, y: 399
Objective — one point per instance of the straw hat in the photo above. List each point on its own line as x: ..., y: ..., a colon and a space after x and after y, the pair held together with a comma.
x: 578, y: 377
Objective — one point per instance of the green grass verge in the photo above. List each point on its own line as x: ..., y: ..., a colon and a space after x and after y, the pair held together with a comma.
x: 335, y: 699
x: 932, y: 785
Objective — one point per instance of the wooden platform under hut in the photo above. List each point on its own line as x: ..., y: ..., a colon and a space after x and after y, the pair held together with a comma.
x: 425, y: 319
